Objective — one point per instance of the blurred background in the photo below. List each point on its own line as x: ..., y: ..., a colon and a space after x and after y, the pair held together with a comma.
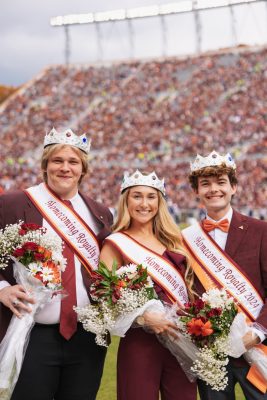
x: 152, y: 84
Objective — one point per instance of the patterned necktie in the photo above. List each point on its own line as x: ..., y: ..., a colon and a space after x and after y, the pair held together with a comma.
x: 209, y: 225
x: 68, y: 317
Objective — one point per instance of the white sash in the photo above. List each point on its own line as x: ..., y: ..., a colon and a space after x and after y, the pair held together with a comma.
x: 222, y: 269
x: 68, y: 225
x: 160, y: 270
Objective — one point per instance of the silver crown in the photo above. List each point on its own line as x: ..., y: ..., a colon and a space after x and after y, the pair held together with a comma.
x: 138, y: 179
x: 214, y: 159
x: 67, y: 137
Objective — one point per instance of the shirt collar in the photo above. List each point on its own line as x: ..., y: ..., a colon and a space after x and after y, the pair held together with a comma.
x: 228, y: 216
x: 75, y: 197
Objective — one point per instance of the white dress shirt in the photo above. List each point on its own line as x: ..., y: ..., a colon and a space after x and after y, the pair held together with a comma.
x: 50, y: 313
x: 217, y: 234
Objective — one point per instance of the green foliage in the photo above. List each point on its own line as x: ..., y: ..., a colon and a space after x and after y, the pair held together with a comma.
x: 107, y: 389
x: 107, y: 284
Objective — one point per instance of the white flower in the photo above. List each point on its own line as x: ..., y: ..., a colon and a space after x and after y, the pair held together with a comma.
x: 217, y: 298
x: 101, y: 318
x: 210, y: 364
x: 34, y: 268
x: 58, y: 259
x: 47, y: 274
x: 149, y: 282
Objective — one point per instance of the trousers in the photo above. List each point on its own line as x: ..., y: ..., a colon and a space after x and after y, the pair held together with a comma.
x: 236, y: 374
x: 60, y: 369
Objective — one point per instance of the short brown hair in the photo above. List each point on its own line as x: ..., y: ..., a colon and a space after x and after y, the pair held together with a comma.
x: 213, y: 171
x: 49, y: 150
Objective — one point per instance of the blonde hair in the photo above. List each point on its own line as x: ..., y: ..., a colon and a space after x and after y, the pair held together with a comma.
x: 49, y: 150
x: 165, y: 230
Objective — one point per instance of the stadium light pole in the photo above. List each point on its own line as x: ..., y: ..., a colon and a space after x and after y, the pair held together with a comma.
x: 67, y: 46
x: 99, y: 41
x: 198, y: 26
x: 131, y: 37
x: 233, y: 23
x: 164, y: 36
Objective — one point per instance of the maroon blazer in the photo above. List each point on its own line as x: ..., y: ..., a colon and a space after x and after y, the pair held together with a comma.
x: 247, y: 246
x: 15, y: 206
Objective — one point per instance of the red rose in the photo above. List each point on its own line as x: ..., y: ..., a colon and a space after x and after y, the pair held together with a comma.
x: 18, y: 252
x: 30, y: 226
x: 30, y: 246
x: 135, y: 286
x: 187, y: 305
x: 38, y: 275
x: 22, y: 232
x: 199, y: 305
x: 214, y: 312
x: 38, y: 257
x: 115, y: 296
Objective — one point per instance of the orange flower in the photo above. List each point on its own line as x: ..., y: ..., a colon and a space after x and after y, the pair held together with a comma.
x: 56, y: 272
x: 207, y: 329
x: 121, y: 284
x: 47, y: 254
x: 198, y: 328
x: 41, y: 249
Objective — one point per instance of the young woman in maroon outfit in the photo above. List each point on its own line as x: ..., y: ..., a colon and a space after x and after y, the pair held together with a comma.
x: 144, y: 367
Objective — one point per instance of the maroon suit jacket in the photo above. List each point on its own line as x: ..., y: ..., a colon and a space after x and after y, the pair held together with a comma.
x: 247, y: 246
x: 15, y: 206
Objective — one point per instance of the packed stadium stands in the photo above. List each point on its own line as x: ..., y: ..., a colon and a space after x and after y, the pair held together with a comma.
x: 153, y: 115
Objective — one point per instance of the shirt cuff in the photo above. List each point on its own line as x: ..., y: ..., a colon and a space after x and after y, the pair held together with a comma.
x: 259, y: 333
x: 4, y: 284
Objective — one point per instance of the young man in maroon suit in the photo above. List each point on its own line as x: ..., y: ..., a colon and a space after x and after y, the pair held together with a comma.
x: 62, y: 361
x: 243, y: 242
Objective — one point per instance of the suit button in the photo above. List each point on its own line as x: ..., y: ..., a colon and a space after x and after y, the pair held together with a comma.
x: 101, y: 216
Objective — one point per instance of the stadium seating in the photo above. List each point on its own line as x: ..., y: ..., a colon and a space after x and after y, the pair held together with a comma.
x: 153, y: 115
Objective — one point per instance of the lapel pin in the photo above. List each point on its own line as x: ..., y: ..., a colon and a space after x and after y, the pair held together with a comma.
x: 241, y: 227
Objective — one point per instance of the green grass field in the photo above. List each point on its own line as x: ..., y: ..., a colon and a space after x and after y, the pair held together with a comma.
x: 108, y: 385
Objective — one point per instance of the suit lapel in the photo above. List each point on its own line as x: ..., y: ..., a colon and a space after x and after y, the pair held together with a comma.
x: 105, y: 229
x: 237, y: 231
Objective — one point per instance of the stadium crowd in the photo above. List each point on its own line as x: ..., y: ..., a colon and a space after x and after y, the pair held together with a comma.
x: 147, y: 115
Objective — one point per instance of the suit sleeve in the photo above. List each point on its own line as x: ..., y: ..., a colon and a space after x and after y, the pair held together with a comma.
x: 8, y: 215
x: 2, y: 226
x: 262, y: 319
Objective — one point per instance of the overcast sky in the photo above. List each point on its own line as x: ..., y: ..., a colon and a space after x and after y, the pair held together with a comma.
x: 28, y: 43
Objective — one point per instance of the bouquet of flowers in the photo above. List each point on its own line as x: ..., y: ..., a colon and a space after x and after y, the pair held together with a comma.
x: 202, y: 345
x: 120, y: 296
x: 37, y: 265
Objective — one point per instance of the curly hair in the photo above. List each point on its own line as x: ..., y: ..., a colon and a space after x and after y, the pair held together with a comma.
x: 213, y: 171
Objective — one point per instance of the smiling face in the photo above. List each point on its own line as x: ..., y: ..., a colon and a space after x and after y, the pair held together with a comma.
x: 143, y: 204
x: 64, y: 170
x: 215, y: 193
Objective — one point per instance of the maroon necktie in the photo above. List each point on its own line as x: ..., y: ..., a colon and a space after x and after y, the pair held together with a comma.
x: 68, y: 317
